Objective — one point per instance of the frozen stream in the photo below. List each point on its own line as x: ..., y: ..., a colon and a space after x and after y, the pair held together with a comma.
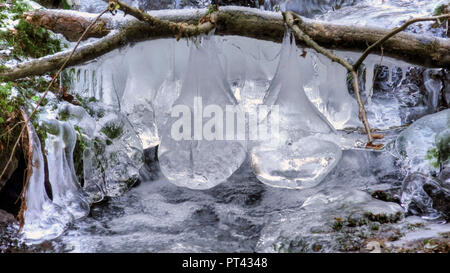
x: 239, y: 215
x: 316, y: 190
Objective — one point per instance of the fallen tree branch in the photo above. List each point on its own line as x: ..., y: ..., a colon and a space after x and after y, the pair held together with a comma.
x: 69, y: 23
x: 394, y: 32
x: 181, y: 29
x: 229, y: 20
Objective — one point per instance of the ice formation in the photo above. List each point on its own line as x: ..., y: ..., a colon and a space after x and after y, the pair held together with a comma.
x: 127, y: 98
x: 414, y: 198
x: 194, y: 161
x: 414, y: 142
x: 42, y: 217
x: 296, y: 157
x: 66, y: 190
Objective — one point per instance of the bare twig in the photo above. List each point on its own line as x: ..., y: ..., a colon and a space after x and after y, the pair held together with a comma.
x: 295, y: 24
x: 46, y: 92
x: 393, y: 32
x: 362, y: 112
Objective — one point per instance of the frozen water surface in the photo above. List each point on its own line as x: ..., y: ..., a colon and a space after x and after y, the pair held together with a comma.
x: 207, y: 195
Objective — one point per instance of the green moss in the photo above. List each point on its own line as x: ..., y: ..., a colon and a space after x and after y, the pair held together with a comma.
x: 9, y: 106
x: 40, y: 131
x: 439, y: 10
x: 85, y: 104
x: 51, y: 128
x: 5, y: 102
x: 18, y: 7
x: 78, y: 152
x: 65, y: 5
x: 112, y: 129
x: 63, y: 115
x: 440, y: 153
x: 30, y: 41
x: 337, y: 224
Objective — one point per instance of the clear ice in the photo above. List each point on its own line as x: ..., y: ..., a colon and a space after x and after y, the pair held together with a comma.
x: 66, y: 190
x: 297, y: 157
x: 43, y: 218
x: 127, y: 97
x: 195, y: 162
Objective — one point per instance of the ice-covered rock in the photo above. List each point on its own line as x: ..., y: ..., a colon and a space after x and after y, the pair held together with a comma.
x: 308, y: 8
x: 440, y: 197
x: 111, y: 152
x: 414, y: 198
x: 316, y: 224
x: 415, y: 142
x: 119, y: 153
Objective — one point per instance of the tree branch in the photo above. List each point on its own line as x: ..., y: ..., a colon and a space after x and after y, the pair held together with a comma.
x: 205, y: 24
x: 415, y: 49
x: 393, y: 32
x: 68, y: 23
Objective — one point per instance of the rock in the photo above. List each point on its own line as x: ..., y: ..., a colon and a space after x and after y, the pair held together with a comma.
x: 339, y: 220
x: 309, y: 8
x: 444, y: 177
x: 446, y: 91
x: 440, y: 197
x: 10, y: 170
x: 421, y: 92
x: 416, y: 143
x: 6, y: 218
x: 414, y: 199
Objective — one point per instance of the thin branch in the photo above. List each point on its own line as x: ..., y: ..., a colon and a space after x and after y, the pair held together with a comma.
x: 362, y: 112
x: 46, y: 92
x: 393, y: 32
x: 294, y: 25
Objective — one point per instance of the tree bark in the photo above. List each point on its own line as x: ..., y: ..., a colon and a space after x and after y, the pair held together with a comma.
x: 118, y: 31
x: 68, y: 23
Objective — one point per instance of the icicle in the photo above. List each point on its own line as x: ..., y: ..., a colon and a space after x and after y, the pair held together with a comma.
x: 249, y: 66
x: 42, y: 218
x: 168, y: 91
x: 66, y: 190
x: 147, y: 74
x: 296, y: 157
x: 327, y: 89
x: 370, y: 74
x: 193, y: 161
x: 433, y: 87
